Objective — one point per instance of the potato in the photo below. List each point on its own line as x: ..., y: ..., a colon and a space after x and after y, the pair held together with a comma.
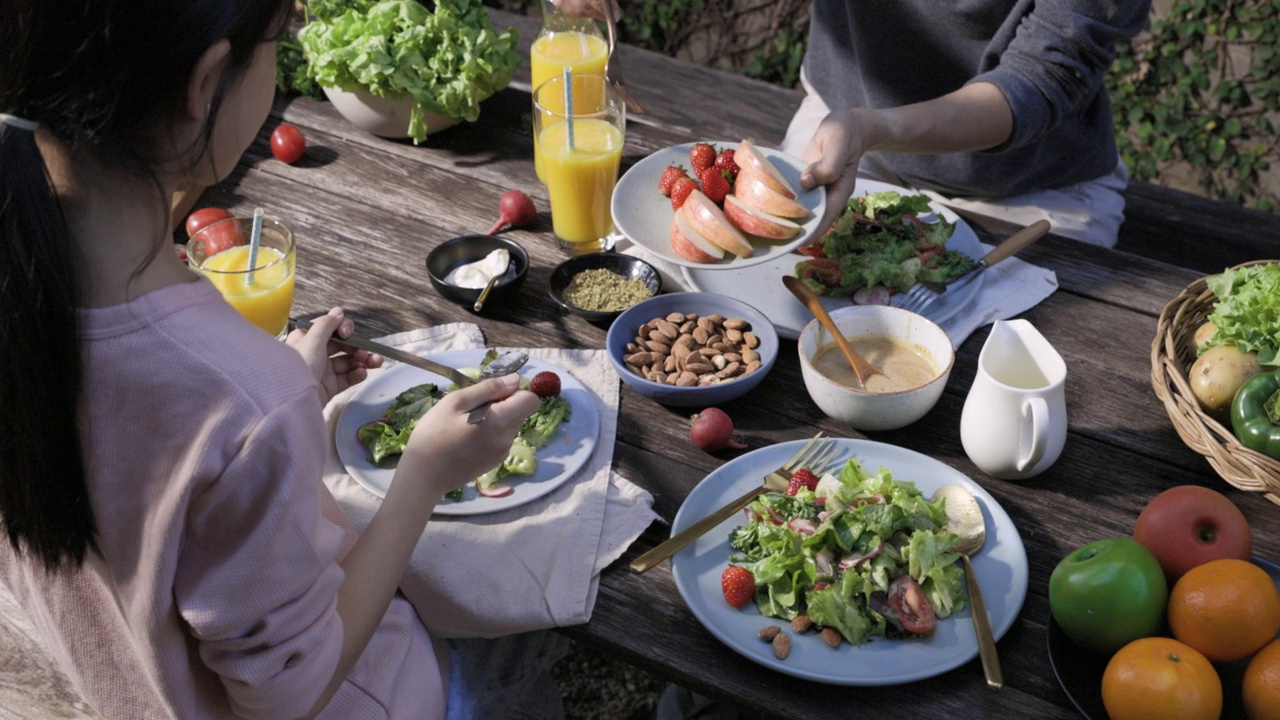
x: 1218, y: 373
x: 1203, y: 333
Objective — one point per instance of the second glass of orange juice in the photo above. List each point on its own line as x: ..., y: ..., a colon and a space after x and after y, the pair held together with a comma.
x: 581, y: 156
x: 565, y: 41
x: 263, y: 294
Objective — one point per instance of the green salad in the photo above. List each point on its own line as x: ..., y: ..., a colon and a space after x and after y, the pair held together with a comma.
x: 879, y: 243
x: 447, y: 59
x: 862, y: 553
x: 386, y: 437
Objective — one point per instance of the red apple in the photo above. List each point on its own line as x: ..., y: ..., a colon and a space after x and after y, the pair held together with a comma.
x: 690, y: 244
x: 754, y: 222
x: 1189, y: 525
x: 751, y: 189
x: 707, y: 218
x: 753, y: 162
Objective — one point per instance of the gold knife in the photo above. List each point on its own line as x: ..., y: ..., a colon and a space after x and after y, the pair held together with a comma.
x: 387, y: 351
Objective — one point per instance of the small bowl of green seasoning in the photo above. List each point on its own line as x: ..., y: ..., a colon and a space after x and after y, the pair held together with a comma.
x: 602, y: 285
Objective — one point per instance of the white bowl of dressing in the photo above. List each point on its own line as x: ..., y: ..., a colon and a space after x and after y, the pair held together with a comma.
x: 915, y: 354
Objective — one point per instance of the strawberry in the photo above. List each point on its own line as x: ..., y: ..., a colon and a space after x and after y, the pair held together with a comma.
x: 545, y: 384
x: 802, y: 478
x: 714, y: 184
x: 738, y: 585
x: 680, y: 191
x: 724, y: 161
x: 669, y: 176
x: 701, y: 157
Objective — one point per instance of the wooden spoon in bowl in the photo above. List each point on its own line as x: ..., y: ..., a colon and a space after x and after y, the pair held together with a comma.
x: 861, y: 367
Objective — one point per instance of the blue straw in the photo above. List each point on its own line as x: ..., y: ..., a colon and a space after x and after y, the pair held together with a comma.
x: 568, y: 103
x: 255, y: 238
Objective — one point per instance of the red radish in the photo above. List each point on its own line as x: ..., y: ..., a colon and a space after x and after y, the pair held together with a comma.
x: 515, y: 209
x: 498, y: 488
x: 712, y: 430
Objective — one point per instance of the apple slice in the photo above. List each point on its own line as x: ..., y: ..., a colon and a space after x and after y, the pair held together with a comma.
x: 707, y: 218
x: 754, y: 222
x: 750, y: 159
x: 498, y: 488
x: 756, y: 194
x: 690, y: 244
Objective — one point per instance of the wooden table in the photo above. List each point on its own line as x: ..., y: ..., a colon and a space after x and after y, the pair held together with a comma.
x: 367, y: 211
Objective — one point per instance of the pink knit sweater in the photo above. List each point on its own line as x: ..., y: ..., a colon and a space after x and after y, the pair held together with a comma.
x: 214, y: 595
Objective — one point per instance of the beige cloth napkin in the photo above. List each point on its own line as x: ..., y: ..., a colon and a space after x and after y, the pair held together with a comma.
x: 531, y: 567
x: 1008, y: 289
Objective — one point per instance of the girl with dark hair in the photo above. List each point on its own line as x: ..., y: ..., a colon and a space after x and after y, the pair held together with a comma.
x: 160, y: 458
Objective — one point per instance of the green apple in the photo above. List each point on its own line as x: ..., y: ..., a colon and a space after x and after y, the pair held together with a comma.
x: 1108, y: 593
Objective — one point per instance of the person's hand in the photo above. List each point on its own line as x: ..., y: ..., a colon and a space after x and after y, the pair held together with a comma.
x: 333, y: 369
x: 833, y: 156
x: 454, y: 452
x: 587, y: 8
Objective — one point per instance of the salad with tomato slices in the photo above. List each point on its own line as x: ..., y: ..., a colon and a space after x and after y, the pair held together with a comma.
x: 861, y: 553
x: 879, y: 246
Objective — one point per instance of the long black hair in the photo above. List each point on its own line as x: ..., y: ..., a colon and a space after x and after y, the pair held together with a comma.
x: 103, y: 78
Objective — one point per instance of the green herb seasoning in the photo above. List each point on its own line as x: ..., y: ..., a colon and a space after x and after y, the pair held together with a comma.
x: 604, y: 291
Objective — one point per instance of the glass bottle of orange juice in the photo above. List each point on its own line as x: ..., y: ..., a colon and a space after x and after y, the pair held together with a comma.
x: 565, y: 41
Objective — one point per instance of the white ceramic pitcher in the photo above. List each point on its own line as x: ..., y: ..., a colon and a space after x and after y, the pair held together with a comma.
x: 1014, y: 421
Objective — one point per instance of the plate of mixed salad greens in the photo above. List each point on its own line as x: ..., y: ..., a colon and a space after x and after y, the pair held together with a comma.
x: 887, y: 238
x: 840, y: 561
x: 554, y: 443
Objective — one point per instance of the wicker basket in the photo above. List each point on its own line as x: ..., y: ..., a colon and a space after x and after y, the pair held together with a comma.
x: 1172, y: 353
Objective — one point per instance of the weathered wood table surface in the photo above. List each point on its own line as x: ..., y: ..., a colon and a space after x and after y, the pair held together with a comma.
x: 367, y: 211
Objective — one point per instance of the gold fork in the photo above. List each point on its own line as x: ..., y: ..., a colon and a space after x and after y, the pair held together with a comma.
x: 816, y: 455
x: 612, y: 65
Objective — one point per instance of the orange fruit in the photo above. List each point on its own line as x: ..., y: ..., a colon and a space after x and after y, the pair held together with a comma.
x: 1158, y: 677
x: 1227, y: 609
x: 1262, y: 684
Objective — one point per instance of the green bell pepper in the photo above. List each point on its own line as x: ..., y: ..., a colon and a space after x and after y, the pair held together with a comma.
x: 1255, y: 413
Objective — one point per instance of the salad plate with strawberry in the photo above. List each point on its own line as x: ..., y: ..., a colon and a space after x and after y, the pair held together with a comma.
x: 554, y: 443
x: 717, y: 204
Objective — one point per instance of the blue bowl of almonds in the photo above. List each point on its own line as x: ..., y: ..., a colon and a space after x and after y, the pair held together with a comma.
x: 601, y: 286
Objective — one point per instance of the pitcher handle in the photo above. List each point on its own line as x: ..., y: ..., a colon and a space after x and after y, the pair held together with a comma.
x: 1038, y: 410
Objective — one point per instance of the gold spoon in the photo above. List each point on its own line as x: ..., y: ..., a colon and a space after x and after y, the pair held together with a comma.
x: 964, y: 518
x: 861, y: 367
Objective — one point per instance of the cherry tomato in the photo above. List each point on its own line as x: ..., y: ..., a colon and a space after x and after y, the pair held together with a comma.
x: 204, y: 216
x: 912, y: 606
x: 218, y: 236
x: 287, y: 143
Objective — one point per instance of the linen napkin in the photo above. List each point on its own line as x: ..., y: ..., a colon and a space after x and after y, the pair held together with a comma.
x: 531, y: 567
x: 1008, y: 288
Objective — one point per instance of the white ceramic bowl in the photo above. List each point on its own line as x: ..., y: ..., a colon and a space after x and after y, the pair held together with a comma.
x: 877, y: 411
x: 384, y: 117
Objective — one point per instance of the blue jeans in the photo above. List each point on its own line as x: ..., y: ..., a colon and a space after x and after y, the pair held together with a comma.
x: 506, y: 677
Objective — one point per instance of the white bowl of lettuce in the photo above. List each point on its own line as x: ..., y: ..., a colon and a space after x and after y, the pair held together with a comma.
x: 396, y: 68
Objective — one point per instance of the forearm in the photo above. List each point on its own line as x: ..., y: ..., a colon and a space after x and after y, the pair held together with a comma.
x: 376, y: 563
x: 975, y: 117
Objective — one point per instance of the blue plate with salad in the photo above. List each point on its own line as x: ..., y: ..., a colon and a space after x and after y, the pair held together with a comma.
x: 565, y: 449
x: 875, y: 486
x: 763, y: 282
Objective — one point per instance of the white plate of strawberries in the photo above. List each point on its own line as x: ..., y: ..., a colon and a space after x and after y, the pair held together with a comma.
x: 717, y: 204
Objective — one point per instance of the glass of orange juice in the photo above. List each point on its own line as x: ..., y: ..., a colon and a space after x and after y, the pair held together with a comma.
x: 581, y: 147
x: 564, y: 41
x: 263, y: 294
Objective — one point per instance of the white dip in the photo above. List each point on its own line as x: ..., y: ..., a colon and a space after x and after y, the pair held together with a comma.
x: 477, y: 274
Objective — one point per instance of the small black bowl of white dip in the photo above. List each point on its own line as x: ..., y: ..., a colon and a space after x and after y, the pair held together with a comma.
x: 460, y: 268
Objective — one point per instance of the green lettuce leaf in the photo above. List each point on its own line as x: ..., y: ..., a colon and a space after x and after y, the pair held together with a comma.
x: 1247, y: 312
x: 447, y: 60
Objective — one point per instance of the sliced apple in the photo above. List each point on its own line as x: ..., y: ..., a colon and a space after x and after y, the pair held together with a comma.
x: 690, y: 244
x: 754, y: 222
x: 749, y: 158
x: 757, y: 195
x: 707, y: 218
